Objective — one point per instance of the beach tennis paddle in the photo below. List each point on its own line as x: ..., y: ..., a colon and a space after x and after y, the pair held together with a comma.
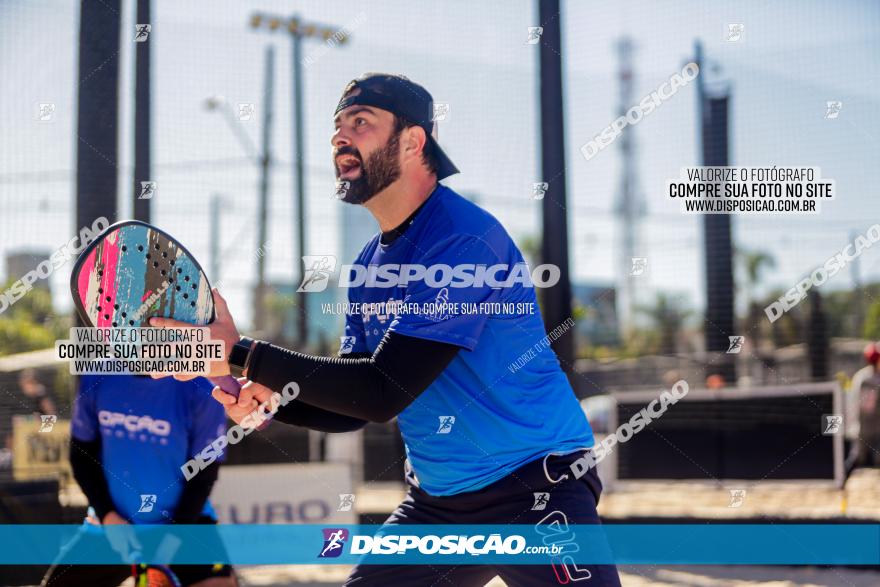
x: 154, y: 576
x: 134, y: 271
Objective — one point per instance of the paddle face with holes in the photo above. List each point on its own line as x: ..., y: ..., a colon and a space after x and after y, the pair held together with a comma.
x: 133, y: 272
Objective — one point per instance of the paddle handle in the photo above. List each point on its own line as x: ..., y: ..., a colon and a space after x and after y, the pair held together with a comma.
x: 230, y: 385
x: 227, y: 383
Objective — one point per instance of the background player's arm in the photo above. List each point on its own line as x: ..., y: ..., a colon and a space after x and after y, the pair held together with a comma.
x: 85, y: 449
x: 195, y: 495
x: 85, y: 462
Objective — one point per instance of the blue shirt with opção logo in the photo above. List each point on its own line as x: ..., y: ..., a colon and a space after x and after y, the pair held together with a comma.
x: 148, y: 429
x: 503, y: 401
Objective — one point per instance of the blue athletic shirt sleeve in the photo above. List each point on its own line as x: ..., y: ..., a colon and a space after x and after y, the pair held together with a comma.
x: 207, y: 417
x: 451, y: 314
x: 355, y: 340
x: 84, y: 422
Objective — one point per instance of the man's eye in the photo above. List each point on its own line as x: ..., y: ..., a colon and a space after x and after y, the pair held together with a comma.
x: 358, y: 121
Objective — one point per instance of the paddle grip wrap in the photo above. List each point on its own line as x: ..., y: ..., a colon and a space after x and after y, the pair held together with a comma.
x: 227, y: 383
x: 230, y: 385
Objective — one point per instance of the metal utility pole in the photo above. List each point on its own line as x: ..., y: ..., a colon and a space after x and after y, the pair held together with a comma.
x: 630, y: 206
x: 858, y: 298
x: 263, y: 161
x: 220, y: 104
x: 701, y: 92
x: 554, y: 243
x: 98, y: 111
x: 298, y: 172
x: 265, y: 170
x: 720, y: 321
x: 216, y: 202
x: 299, y: 30
x: 142, y: 141
x: 818, y: 349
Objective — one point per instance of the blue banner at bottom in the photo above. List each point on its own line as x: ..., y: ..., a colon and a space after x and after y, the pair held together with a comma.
x: 729, y: 544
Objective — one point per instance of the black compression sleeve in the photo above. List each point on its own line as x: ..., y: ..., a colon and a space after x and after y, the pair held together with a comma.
x: 85, y: 462
x: 195, y: 494
x: 306, y: 416
x: 374, y: 389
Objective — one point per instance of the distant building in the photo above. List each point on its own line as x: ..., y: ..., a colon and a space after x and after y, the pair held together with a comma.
x: 22, y: 262
x: 599, y: 325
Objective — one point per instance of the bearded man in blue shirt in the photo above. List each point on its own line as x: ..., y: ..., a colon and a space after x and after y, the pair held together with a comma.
x: 430, y: 339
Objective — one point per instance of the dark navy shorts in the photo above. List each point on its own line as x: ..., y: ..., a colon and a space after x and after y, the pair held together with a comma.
x: 507, y: 501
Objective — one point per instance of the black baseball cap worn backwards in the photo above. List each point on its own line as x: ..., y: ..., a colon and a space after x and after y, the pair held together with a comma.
x: 400, y: 96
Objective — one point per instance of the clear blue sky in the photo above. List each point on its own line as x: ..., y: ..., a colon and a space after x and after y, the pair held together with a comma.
x: 794, y: 56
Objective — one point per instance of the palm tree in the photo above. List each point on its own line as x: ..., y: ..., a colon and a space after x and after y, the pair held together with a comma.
x: 667, y: 315
x: 753, y: 264
x: 530, y: 247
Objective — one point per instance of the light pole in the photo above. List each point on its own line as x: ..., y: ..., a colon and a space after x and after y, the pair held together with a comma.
x: 332, y: 36
x: 221, y: 105
x: 264, y: 159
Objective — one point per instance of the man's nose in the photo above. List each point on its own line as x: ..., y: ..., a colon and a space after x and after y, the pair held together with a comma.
x: 340, y: 139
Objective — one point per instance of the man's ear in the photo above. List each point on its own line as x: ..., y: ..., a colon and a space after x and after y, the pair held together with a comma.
x: 413, y: 140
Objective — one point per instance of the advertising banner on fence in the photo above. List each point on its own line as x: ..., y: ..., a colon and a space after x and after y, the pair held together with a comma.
x: 306, y: 493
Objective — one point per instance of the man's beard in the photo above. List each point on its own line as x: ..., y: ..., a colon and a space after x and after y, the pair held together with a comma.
x: 380, y: 170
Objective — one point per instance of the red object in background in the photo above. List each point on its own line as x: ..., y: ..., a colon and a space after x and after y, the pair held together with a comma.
x: 872, y: 353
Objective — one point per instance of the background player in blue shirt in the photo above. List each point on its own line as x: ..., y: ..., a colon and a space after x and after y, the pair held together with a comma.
x: 487, y: 424
x: 129, y: 436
